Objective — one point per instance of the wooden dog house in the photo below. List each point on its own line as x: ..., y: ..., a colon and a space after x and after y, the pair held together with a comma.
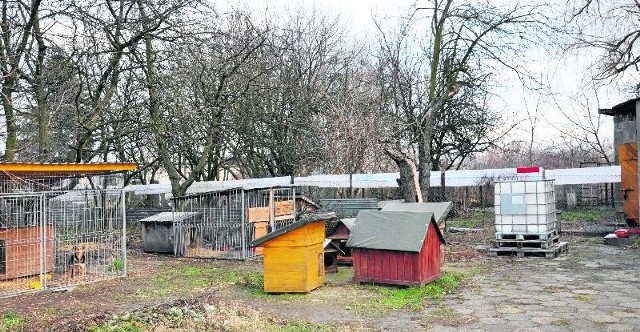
x: 294, y: 255
x: 396, y: 247
x: 339, y: 236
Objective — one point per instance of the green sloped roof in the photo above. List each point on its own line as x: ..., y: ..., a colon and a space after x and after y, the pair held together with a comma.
x: 391, y: 230
x: 439, y: 209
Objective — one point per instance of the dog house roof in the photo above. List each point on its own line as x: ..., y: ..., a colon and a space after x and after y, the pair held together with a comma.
x: 304, y: 221
x: 169, y: 217
x: 24, y: 169
x: 392, y: 230
x: 439, y: 209
x: 625, y: 108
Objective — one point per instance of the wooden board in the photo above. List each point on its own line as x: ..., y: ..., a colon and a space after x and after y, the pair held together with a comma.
x: 283, y: 210
x: 293, y: 270
x: 23, y: 251
x: 628, y: 154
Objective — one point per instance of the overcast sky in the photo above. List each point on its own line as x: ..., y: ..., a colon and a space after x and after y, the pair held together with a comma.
x: 568, y: 76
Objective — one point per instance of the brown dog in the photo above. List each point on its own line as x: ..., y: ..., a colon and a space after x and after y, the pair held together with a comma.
x: 77, y: 265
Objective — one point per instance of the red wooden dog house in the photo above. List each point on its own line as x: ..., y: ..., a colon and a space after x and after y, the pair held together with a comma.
x: 396, y: 247
x: 339, y: 238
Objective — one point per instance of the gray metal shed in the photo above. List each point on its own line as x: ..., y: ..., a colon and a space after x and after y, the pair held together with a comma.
x: 158, y: 234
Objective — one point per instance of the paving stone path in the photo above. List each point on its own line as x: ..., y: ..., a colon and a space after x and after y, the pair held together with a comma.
x: 592, y: 287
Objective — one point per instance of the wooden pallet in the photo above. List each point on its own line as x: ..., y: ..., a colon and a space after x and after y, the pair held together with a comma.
x: 551, y: 252
x: 514, y: 243
x: 527, y: 236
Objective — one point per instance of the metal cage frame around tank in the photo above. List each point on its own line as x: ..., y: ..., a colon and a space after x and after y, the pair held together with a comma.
x: 48, y: 210
x: 221, y: 223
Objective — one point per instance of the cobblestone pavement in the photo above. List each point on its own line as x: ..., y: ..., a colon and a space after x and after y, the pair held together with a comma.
x: 592, y: 287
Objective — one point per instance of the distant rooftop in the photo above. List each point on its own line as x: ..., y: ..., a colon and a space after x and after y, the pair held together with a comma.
x: 624, y: 108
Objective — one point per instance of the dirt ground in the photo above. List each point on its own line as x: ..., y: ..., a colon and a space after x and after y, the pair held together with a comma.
x: 149, y: 286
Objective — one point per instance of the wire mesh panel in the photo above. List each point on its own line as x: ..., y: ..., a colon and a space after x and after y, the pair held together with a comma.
x: 221, y: 224
x: 57, y: 232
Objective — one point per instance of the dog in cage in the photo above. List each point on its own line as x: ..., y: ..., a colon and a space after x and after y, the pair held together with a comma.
x: 77, y: 267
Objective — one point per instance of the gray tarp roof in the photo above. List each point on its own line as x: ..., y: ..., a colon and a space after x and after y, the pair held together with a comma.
x: 170, y: 216
x: 348, y: 207
x: 439, y: 210
x: 305, y: 220
x: 348, y: 222
x: 391, y: 230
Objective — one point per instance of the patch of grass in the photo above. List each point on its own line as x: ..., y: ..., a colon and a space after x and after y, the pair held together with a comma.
x: 555, y: 289
x: 465, y: 223
x: 10, y: 321
x: 414, y: 297
x: 561, y: 322
x: 584, y: 297
x: 447, y: 316
x: 473, y: 219
x: 343, y: 276
x: 118, y: 327
x: 297, y: 326
x: 636, y: 243
x: 192, y: 279
x: 584, y: 215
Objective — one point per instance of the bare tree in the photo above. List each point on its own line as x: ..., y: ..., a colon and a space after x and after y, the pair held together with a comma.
x: 278, y: 132
x: 610, y: 26
x: 584, y: 127
x: 207, y: 80
x: 425, y: 72
x: 16, y: 25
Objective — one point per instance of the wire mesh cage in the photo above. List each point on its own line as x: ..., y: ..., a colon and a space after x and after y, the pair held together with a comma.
x: 221, y: 224
x: 60, y: 230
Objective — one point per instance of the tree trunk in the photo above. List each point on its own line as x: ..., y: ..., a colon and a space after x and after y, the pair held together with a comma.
x: 408, y: 182
x: 42, y: 112
x: 10, y: 118
x: 424, y: 165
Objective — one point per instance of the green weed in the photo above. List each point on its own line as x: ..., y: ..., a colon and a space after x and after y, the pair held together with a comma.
x: 117, y: 265
x: 10, y: 321
x: 584, y: 297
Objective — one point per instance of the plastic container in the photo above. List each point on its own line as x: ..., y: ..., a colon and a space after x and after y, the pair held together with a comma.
x: 525, y: 207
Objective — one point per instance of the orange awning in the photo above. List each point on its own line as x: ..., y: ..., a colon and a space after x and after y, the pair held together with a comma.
x: 24, y: 169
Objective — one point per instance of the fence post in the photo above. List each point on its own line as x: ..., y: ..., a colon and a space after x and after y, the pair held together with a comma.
x: 442, y: 185
x: 124, y: 232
